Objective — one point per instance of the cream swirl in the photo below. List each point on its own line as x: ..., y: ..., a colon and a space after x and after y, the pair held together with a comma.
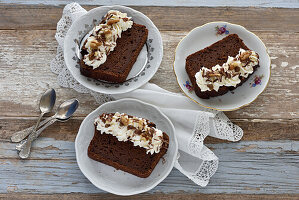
x: 103, y: 38
x: 129, y: 128
x: 228, y: 74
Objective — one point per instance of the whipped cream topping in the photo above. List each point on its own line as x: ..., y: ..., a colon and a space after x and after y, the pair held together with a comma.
x: 103, y: 38
x: 137, y: 130
x: 228, y: 74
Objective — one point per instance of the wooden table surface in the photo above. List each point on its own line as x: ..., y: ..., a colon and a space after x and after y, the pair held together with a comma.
x: 264, y: 165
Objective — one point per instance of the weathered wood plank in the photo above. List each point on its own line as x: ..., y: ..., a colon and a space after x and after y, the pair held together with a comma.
x: 25, y: 74
x: 181, y: 196
x: 166, y: 18
x: 246, y: 167
x: 187, y: 3
x: 254, y: 129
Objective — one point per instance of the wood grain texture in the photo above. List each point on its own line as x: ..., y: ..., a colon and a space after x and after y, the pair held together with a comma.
x: 264, y: 163
x: 248, y: 167
x: 25, y: 74
x: 254, y: 129
x: 188, y: 3
x: 179, y: 196
x: 179, y: 18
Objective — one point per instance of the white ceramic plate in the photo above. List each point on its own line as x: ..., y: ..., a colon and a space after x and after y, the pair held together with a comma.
x: 148, y: 60
x: 204, y: 36
x: 116, y: 181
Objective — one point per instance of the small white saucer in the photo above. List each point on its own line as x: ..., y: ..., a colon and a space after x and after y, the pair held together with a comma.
x: 204, y: 36
x: 116, y: 181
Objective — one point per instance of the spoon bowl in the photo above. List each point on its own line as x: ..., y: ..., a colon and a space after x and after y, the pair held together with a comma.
x: 66, y: 109
x: 47, y: 101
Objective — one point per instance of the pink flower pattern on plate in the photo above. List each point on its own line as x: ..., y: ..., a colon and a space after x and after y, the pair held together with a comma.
x: 188, y: 86
x: 221, y: 30
x: 256, y: 81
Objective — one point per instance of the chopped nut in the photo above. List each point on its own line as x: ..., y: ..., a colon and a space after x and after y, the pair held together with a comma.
x: 124, y: 121
x: 214, y: 74
x: 245, y: 56
x: 108, y: 34
x: 112, y: 21
x: 107, y: 31
x: 233, y: 65
x: 237, y: 69
x: 94, y: 44
x: 140, y: 124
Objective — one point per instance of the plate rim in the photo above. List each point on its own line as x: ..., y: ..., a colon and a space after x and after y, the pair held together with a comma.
x: 128, y: 89
x: 162, y: 177
x: 210, y: 107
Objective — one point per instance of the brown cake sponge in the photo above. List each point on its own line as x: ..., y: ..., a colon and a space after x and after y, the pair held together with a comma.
x: 120, y: 61
x: 125, y: 156
x: 210, y: 56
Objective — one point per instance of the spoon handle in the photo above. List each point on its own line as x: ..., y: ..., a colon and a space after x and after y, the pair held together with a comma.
x: 25, y: 147
x: 20, y: 135
x: 48, y: 122
x: 38, y: 121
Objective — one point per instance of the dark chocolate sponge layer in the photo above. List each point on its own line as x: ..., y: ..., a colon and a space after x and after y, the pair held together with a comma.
x: 125, y: 156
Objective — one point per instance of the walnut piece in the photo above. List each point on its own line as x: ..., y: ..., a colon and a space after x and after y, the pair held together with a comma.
x: 233, y: 65
x: 112, y: 21
x: 140, y: 125
x: 124, y: 120
x: 94, y: 44
x: 215, y: 74
x: 245, y: 56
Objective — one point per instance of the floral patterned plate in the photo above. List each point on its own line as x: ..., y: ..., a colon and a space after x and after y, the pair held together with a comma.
x: 148, y: 60
x: 116, y: 181
x: 204, y: 36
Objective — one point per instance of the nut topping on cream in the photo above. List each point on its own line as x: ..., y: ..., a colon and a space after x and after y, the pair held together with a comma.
x: 229, y: 74
x: 103, y: 38
x: 129, y: 128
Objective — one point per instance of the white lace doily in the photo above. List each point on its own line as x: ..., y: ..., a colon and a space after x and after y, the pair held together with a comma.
x: 207, y: 122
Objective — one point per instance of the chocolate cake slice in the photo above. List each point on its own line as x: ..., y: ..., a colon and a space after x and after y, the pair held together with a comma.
x: 225, y: 54
x: 118, y: 60
x: 134, y: 154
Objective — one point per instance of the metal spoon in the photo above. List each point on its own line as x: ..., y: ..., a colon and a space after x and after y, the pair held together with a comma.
x: 46, y: 105
x: 64, y: 112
